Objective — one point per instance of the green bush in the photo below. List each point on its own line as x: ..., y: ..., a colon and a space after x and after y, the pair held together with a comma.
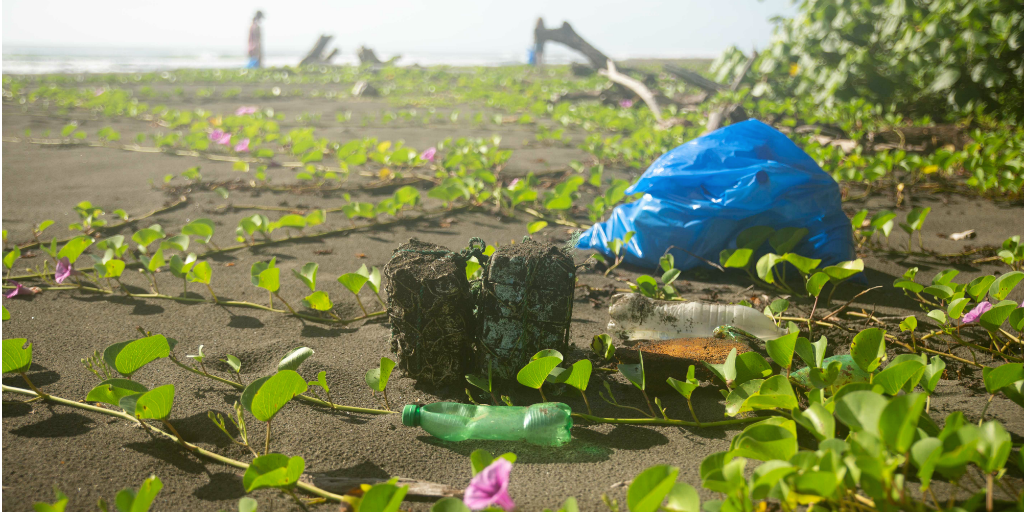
x: 922, y: 56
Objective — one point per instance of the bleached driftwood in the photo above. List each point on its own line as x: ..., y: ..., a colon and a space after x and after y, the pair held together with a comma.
x: 366, y: 56
x: 316, y: 54
x: 634, y: 85
x: 695, y: 79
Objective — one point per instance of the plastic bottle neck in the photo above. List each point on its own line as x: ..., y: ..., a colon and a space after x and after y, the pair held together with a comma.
x: 411, y: 415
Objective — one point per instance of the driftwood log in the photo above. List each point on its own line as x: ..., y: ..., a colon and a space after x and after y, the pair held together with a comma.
x: 634, y: 85
x: 567, y: 36
x: 695, y: 79
x: 316, y: 54
x: 366, y: 56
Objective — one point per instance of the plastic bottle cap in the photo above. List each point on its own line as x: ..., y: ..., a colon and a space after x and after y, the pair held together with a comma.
x: 411, y: 415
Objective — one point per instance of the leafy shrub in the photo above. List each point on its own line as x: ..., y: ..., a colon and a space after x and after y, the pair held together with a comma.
x: 952, y: 55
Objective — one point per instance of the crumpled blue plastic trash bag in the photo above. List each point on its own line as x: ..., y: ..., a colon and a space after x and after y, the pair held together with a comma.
x: 700, y: 195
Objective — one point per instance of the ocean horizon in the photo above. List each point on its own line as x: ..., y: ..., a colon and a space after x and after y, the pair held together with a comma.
x: 33, y: 60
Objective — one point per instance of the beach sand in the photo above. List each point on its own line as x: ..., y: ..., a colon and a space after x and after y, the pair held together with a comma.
x: 90, y: 456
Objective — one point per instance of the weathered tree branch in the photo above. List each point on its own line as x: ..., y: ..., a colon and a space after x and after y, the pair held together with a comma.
x: 316, y: 54
x: 634, y: 85
x: 567, y: 36
x: 695, y: 79
x: 366, y: 56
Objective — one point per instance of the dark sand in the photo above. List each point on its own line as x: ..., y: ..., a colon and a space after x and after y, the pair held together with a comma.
x: 90, y: 456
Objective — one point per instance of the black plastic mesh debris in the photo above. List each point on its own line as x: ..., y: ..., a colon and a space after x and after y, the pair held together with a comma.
x: 431, y: 312
x: 525, y: 305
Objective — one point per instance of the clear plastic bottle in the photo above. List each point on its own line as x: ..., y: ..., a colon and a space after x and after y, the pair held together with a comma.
x: 635, y: 317
x: 545, y: 424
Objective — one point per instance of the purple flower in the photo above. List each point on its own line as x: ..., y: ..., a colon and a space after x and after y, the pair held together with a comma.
x: 974, y: 314
x: 220, y: 137
x: 428, y: 154
x: 244, y: 111
x: 490, y: 487
x: 512, y: 185
x: 20, y: 289
x: 242, y: 146
x: 626, y: 103
x: 64, y: 270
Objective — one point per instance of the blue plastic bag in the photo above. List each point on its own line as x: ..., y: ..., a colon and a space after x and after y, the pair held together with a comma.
x: 700, y: 195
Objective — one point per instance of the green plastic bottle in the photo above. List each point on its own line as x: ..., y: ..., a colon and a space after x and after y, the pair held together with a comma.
x: 545, y: 424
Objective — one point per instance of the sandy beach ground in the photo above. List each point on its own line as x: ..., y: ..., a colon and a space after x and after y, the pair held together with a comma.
x: 90, y: 456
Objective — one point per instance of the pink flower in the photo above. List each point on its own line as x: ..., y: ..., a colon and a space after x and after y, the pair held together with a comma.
x: 19, y: 289
x: 428, y: 154
x: 64, y: 270
x: 220, y: 137
x: 626, y: 103
x: 974, y: 314
x: 244, y: 111
x: 242, y: 146
x: 512, y: 186
x: 490, y: 487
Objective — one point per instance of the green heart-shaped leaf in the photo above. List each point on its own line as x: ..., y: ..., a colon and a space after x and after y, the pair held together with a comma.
x: 111, y: 391
x: 896, y: 375
x: 17, y: 357
x: 273, y: 470
x: 308, y: 275
x: 154, y: 404
x: 1001, y: 376
x: 993, y: 319
x: 781, y: 349
x: 354, y: 282
x: 579, y: 376
x: 377, y: 378
x: 764, y: 442
x: 265, y: 397
x: 868, y: 349
x: 200, y: 273
x: 817, y: 420
x: 294, y: 358
x: 318, y: 301
x: 1005, y: 284
x: 129, y: 356
x: 648, y: 490
x: 635, y: 372
x: 861, y: 410
x: 534, y: 374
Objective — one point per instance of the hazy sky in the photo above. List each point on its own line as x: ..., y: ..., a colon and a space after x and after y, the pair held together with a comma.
x: 620, y: 29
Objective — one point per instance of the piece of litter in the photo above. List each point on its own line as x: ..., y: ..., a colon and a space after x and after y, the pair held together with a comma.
x: 963, y: 235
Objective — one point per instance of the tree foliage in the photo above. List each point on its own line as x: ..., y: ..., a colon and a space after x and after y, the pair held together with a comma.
x: 922, y: 56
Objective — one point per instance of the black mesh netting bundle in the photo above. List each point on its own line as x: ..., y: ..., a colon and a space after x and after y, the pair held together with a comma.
x: 525, y: 304
x: 431, y: 311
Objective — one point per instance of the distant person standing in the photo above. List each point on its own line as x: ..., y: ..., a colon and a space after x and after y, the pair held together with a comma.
x: 255, y: 42
x: 536, y: 54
